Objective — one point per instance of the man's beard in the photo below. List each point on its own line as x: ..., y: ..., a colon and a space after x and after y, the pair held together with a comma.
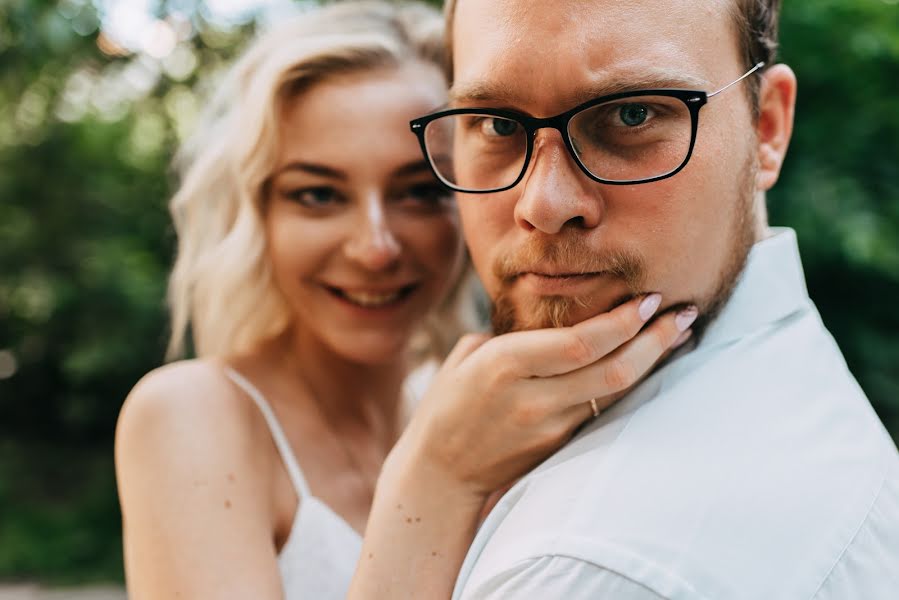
x: 571, y: 253
x: 568, y: 253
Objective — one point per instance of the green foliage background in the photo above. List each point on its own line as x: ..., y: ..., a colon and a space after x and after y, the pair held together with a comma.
x: 85, y: 241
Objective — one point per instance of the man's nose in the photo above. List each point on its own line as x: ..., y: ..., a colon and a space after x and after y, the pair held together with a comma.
x: 554, y: 191
x: 373, y: 243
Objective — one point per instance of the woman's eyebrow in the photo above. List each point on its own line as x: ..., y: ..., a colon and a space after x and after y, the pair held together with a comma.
x: 414, y: 167
x: 312, y: 169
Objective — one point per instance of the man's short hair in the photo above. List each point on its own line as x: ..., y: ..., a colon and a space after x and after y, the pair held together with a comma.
x: 757, y: 28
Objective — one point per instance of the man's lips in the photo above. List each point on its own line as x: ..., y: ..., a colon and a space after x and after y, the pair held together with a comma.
x: 559, y: 284
x: 560, y: 274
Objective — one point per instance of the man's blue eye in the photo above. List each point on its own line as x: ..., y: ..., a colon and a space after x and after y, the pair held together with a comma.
x: 633, y: 115
x: 504, y: 127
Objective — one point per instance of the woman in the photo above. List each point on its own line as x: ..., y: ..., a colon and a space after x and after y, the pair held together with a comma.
x: 314, y: 247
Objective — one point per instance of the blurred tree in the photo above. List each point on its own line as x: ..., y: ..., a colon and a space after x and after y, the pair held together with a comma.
x: 88, y: 122
x: 87, y: 128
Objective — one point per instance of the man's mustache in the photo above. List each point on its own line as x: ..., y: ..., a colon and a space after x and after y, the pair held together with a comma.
x: 571, y: 255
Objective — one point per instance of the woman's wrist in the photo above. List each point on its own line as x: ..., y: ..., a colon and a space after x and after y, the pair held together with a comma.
x: 411, y: 472
x: 420, y: 527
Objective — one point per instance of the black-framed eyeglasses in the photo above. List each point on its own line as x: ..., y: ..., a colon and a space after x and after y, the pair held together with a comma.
x: 619, y: 139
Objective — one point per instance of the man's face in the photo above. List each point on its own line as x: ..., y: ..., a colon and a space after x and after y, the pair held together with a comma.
x: 559, y: 247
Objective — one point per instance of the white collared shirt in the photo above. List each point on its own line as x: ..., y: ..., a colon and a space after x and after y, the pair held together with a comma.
x: 752, y: 467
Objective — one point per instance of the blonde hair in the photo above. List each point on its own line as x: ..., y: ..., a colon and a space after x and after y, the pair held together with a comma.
x: 221, y: 290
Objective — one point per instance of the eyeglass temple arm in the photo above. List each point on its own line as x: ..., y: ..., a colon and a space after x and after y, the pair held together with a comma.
x: 733, y: 83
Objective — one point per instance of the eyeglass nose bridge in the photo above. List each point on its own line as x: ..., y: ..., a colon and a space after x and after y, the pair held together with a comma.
x: 532, y: 125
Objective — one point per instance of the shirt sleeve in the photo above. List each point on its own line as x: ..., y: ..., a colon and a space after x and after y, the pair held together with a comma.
x: 560, y: 577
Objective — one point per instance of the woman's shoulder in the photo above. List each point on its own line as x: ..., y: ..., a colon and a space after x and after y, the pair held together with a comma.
x: 188, y: 411
x: 194, y: 482
x: 180, y: 390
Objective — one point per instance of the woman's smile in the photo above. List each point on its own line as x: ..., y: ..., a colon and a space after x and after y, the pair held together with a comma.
x: 373, y: 299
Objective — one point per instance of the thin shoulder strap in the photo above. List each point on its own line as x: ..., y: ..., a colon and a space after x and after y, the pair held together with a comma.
x: 290, y: 461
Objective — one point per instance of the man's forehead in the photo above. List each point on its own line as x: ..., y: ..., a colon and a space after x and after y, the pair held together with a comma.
x: 574, y: 11
x: 512, y: 49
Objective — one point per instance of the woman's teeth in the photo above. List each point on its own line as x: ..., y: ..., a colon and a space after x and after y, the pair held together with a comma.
x: 371, y: 299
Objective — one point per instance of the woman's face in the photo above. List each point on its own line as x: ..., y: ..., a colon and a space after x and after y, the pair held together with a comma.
x: 362, y: 239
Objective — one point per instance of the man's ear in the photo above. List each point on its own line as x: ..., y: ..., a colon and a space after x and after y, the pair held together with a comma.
x: 777, y: 104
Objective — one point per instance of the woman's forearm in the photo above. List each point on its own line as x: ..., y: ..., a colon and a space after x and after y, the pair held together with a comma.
x: 418, y: 533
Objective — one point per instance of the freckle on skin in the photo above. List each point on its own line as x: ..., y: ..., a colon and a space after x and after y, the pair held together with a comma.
x: 231, y: 477
x: 370, y: 555
x: 433, y: 554
x: 227, y: 504
x: 418, y: 519
x: 399, y: 507
x: 408, y: 519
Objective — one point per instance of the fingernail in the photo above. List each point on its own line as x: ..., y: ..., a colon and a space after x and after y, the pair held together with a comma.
x: 685, y: 318
x: 680, y: 341
x: 649, y: 306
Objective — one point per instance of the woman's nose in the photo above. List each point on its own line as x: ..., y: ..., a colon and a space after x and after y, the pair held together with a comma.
x: 373, y: 244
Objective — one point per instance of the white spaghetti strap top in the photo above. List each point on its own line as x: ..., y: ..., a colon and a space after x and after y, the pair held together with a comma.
x: 290, y: 461
x: 321, y: 551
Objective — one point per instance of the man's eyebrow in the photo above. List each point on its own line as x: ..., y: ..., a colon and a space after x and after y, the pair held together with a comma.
x: 641, y: 81
x: 478, y: 91
x: 312, y: 169
x: 493, y: 93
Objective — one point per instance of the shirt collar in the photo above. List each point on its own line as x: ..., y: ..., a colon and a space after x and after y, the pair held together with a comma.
x: 771, y: 287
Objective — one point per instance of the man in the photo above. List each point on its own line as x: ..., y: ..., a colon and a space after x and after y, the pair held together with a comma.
x: 750, y: 464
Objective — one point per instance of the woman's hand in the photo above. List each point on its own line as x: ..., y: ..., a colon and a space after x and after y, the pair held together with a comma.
x: 496, y: 408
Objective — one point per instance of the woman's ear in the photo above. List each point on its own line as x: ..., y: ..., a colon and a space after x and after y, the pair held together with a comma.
x: 777, y: 105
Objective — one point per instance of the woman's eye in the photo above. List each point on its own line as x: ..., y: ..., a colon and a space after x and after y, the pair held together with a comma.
x: 430, y: 194
x: 313, y: 197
